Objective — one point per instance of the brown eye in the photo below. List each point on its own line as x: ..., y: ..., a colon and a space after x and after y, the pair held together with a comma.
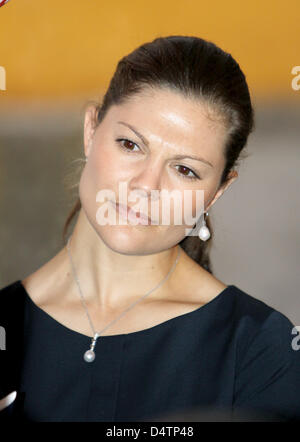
x: 184, y: 170
x: 126, y: 145
x: 185, y: 173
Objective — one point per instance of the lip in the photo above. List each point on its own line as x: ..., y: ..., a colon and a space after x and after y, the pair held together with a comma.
x: 128, y: 211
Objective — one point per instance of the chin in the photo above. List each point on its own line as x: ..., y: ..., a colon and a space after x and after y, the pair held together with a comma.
x: 127, y: 240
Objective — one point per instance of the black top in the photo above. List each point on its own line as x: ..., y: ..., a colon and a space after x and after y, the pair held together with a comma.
x: 233, y: 355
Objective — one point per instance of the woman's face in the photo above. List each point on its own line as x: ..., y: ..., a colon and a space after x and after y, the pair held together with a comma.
x: 170, y: 126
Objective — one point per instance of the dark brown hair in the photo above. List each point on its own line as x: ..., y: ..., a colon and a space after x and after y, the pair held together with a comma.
x: 199, y: 70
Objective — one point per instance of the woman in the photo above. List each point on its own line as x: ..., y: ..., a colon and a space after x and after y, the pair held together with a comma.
x: 127, y: 322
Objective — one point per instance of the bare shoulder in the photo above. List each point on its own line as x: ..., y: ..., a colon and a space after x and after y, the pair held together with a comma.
x: 41, y: 283
x: 33, y: 286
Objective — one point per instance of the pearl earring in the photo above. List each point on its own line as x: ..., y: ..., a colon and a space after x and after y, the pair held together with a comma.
x: 85, y: 159
x: 204, y: 232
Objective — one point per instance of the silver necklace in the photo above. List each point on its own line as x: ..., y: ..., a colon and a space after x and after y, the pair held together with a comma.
x: 90, y: 355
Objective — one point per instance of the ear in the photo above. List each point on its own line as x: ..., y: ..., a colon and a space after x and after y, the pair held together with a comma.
x: 89, y: 128
x: 232, y: 176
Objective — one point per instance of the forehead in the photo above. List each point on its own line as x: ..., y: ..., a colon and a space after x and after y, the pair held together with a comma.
x: 168, y: 117
x: 171, y: 104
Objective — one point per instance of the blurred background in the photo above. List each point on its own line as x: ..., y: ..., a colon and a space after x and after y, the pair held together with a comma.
x: 59, y: 55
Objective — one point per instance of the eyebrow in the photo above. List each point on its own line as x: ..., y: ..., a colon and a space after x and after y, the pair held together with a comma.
x: 177, y: 157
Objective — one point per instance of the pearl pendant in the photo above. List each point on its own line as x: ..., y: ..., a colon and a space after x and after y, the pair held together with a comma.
x: 204, y: 233
x: 89, y: 356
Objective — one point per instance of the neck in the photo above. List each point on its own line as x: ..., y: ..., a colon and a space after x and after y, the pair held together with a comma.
x: 113, y: 279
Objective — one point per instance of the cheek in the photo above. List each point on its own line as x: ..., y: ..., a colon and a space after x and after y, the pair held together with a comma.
x: 182, y: 207
x: 198, y: 198
x: 103, y: 168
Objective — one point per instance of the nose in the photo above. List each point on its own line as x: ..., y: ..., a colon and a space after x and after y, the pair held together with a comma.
x: 147, y: 183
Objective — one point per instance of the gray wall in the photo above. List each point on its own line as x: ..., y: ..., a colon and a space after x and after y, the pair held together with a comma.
x: 256, y: 221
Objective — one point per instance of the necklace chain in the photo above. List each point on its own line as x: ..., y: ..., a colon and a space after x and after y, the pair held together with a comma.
x: 97, y: 334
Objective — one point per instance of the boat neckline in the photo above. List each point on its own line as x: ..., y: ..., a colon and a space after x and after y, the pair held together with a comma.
x: 138, y: 332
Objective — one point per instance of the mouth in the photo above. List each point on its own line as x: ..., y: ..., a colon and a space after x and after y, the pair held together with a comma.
x: 130, y: 213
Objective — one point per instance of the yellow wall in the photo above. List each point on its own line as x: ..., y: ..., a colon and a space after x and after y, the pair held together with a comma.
x: 67, y: 48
